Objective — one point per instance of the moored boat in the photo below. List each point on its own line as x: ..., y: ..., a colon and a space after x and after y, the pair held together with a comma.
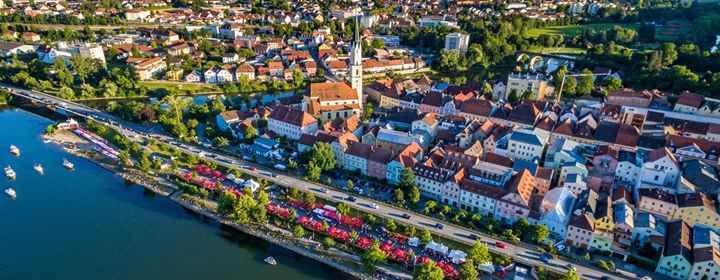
x: 38, y: 168
x: 68, y: 164
x: 270, y: 260
x: 14, y: 150
x: 10, y: 173
x: 10, y: 192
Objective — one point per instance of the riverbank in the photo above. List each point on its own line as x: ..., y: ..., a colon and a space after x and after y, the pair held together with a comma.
x: 77, y: 146
x: 276, y: 236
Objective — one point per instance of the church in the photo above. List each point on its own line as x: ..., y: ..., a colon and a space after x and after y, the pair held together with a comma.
x: 328, y: 101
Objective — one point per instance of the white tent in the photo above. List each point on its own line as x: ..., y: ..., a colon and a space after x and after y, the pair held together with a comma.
x: 239, y: 181
x: 457, y: 256
x: 254, y: 186
x: 440, y: 248
x: 486, y: 267
x: 413, y: 241
x: 231, y: 177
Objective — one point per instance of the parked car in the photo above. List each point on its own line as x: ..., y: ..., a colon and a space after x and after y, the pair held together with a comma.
x: 406, y: 216
x: 374, y: 206
x: 474, y: 237
x: 351, y: 198
x: 500, y: 245
x: 439, y: 226
x: 560, y: 247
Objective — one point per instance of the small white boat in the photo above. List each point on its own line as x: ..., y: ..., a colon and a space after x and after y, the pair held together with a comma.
x: 47, y: 141
x: 270, y: 260
x: 14, y: 150
x: 10, y: 192
x: 38, y: 168
x: 10, y: 173
x: 68, y: 164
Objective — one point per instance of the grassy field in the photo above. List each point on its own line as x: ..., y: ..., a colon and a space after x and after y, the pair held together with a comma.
x: 671, y: 30
x: 185, y: 86
x: 562, y: 50
x: 569, y: 31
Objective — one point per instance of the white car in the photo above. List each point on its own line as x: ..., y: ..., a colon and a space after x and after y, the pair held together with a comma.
x: 374, y: 206
x: 560, y: 247
x: 323, y: 190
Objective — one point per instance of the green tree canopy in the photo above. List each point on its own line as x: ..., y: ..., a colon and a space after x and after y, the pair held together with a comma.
x: 428, y: 271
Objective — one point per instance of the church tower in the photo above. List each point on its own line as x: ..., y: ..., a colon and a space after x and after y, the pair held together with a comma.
x: 356, y: 70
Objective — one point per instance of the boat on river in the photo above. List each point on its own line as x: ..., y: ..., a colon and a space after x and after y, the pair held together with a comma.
x: 68, y: 164
x: 38, y: 168
x: 270, y: 260
x: 10, y: 192
x: 14, y: 150
x: 10, y: 173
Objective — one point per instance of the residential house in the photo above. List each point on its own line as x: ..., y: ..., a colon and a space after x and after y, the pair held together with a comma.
x: 430, y: 180
x: 194, y: 77
x: 649, y: 228
x: 658, y: 201
x: 556, y: 210
x: 245, y: 70
x: 677, y: 256
x: 519, y: 200
x: 629, y: 97
x: 494, y: 170
x: 660, y: 168
x: 689, y: 103
x: 527, y: 144
x: 697, y: 209
x: 406, y: 158
x: 479, y: 198
x: 291, y: 123
x: 211, y: 75
x: 150, y: 67
x: 175, y: 74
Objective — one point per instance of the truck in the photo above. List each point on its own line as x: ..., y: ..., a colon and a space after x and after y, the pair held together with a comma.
x: 280, y: 167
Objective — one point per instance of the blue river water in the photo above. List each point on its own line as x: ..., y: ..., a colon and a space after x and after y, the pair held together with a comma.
x: 88, y: 224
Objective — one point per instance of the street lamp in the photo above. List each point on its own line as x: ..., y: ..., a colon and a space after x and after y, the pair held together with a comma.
x: 576, y: 75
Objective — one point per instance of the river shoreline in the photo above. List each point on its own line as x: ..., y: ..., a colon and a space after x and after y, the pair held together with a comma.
x: 73, y: 145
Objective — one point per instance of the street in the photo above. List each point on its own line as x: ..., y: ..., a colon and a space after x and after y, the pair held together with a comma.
x: 525, y: 253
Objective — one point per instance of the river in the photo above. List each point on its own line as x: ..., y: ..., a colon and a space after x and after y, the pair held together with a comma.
x: 89, y: 224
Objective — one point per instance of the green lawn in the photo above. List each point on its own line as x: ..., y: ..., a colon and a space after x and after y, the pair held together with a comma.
x: 185, y: 86
x: 569, y: 31
x: 561, y: 50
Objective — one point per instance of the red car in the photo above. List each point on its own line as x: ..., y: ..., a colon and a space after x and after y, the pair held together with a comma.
x: 253, y: 168
x: 500, y: 245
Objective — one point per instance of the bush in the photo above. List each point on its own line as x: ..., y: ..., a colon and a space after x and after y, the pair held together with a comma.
x: 607, y: 253
x: 602, y: 265
x: 640, y: 263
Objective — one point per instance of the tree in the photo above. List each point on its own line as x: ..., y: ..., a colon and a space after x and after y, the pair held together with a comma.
x: 602, y: 265
x: 176, y: 104
x: 570, y: 275
x: 478, y: 253
x: 521, y: 227
x: 325, y: 225
x: 328, y: 243
x: 313, y: 172
x: 390, y: 225
x: 612, y: 83
x: 66, y: 93
x: 513, y: 96
x: 428, y: 271
x: 342, y: 208
x: 369, y: 219
x: 262, y: 198
x: 407, y: 179
x: 250, y: 134
x: 486, y: 91
x: 414, y: 195
x: 460, y: 80
x: 539, y: 232
x: 528, y: 94
x: 398, y: 196
x: 585, y: 83
x: 322, y: 154
x: 203, y: 192
x: 367, y: 112
x: 425, y: 236
x: 226, y: 203
x: 82, y: 66
x: 298, y: 231
x: 221, y: 142
x: 350, y: 184
x: 376, y: 43
x: 298, y: 77
x: 570, y: 87
x: 468, y: 271
x: 50, y: 129
x: 669, y: 54
x: 373, y: 256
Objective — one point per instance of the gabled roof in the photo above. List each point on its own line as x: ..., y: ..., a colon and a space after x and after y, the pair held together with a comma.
x: 331, y: 91
x: 524, y: 185
x: 583, y: 221
x: 678, y: 241
x: 557, y: 205
x: 292, y: 116
x: 482, y: 189
x: 660, y: 153
x: 690, y: 99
